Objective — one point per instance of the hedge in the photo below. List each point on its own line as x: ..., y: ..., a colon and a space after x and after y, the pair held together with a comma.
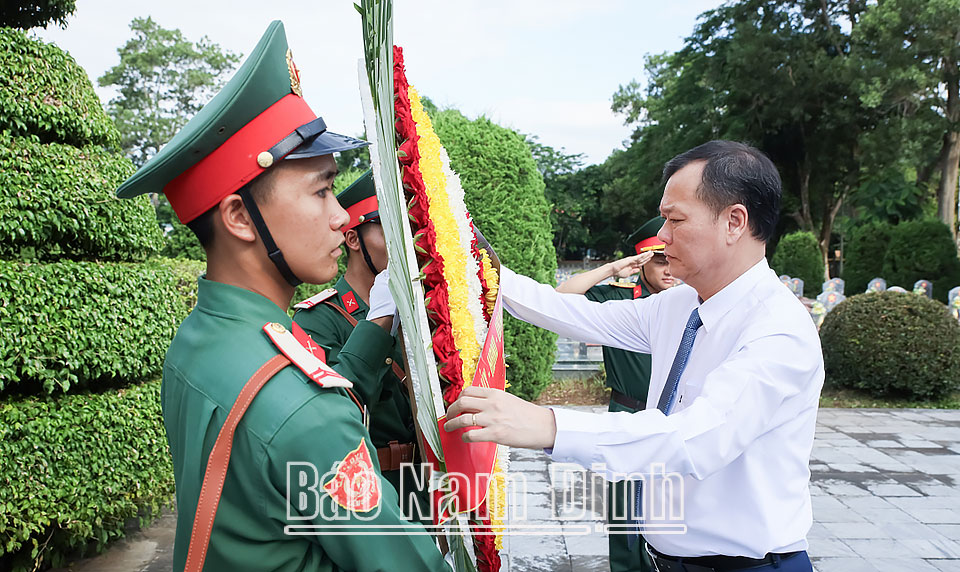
x: 504, y: 193
x: 892, y: 344
x: 56, y: 201
x: 798, y: 255
x: 44, y: 92
x: 863, y: 257
x: 75, y: 468
x: 71, y: 324
x: 922, y: 249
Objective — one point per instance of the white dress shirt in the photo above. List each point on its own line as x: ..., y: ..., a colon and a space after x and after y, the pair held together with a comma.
x: 741, y: 429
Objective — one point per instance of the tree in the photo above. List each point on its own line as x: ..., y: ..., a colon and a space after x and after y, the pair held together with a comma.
x: 566, y: 200
x: 775, y: 74
x: 26, y: 14
x: 163, y: 80
x: 912, y: 69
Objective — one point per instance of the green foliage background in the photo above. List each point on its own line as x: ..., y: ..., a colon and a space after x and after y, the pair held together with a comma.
x: 864, y: 256
x: 892, y: 345
x: 57, y: 201
x: 87, y: 316
x: 798, y: 255
x: 922, y: 249
x: 504, y: 194
x: 43, y: 92
x: 75, y: 468
x: 86, y: 323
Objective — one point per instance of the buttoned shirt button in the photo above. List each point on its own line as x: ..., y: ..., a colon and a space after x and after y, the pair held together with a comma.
x: 388, y: 361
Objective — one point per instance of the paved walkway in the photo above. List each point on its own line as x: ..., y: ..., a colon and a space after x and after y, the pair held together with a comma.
x: 886, y: 496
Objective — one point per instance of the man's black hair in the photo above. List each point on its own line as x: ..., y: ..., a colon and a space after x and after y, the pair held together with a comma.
x: 736, y: 173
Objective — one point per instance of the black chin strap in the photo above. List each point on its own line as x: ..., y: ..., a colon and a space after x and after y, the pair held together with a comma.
x: 643, y: 279
x: 366, y: 255
x: 272, y: 251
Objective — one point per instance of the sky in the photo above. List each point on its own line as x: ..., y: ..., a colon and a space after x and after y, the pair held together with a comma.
x: 543, y: 67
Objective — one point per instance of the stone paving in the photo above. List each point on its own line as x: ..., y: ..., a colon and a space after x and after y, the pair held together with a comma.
x: 885, y: 486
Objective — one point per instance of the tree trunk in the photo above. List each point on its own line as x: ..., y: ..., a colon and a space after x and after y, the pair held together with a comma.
x: 804, y: 176
x: 947, y: 189
x: 830, y: 210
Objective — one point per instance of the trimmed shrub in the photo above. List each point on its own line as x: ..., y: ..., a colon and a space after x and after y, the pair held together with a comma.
x: 892, y: 344
x: 863, y: 256
x: 56, y: 201
x: 44, y: 92
x: 504, y: 193
x: 74, y: 469
x: 798, y: 255
x: 83, y: 323
x: 922, y: 249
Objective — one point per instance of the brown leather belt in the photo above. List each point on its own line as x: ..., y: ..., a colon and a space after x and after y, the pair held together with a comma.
x: 627, y: 401
x: 394, y: 455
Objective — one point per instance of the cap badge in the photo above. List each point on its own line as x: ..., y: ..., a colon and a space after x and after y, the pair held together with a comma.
x: 294, y: 74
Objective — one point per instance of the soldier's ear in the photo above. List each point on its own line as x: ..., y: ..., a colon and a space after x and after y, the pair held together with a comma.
x: 351, y: 239
x: 235, y: 218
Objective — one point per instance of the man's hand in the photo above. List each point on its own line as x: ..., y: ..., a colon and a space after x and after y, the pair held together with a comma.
x: 502, y: 418
x: 382, y: 307
x: 627, y: 267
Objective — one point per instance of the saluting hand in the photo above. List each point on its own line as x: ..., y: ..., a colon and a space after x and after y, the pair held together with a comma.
x: 627, y: 267
x: 502, y: 418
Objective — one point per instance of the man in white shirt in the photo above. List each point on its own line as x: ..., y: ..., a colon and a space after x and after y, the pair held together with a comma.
x: 736, y: 376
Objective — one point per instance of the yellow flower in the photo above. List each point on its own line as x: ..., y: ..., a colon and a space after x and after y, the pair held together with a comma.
x: 448, y: 242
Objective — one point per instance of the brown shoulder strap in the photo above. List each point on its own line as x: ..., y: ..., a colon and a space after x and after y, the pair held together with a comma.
x: 397, y: 369
x: 218, y: 462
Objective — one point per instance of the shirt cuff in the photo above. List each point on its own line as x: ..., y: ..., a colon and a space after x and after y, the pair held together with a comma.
x: 576, y: 440
x: 369, y: 343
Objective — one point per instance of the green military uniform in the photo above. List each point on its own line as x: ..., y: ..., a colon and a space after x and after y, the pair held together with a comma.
x: 292, y: 420
x: 391, y: 415
x: 628, y: 374
x: 301, y: 455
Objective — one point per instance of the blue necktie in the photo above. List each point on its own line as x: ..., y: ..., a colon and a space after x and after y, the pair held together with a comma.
x: 669, y: 392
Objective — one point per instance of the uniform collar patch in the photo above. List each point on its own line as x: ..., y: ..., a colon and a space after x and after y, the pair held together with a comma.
x: 350, y: 302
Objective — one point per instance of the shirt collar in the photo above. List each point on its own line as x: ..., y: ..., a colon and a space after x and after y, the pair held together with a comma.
x: 723, y: 301
x: 237, y: 303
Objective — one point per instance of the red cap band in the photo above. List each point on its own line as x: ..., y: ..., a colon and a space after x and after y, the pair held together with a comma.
x: 652, y: 241
x: 367, y: 205
x: 234, y: 163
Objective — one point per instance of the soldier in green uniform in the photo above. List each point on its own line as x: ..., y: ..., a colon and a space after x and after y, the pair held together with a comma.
x: 628, y: 373
x: 252, y: 176
x: 330, y: 318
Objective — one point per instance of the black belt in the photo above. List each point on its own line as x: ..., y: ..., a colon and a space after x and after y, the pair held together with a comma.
x: 627, y: 401
x: 666, y: 563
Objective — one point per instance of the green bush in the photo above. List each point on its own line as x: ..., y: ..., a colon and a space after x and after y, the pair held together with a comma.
x: 504, y: 193
x: 922, y: 249
x: 44, y: 92
x: 75, y: 468
x: 56, y: 201
x: 892, y: 344
x: 798, y: 255
x: 863, y: 256
x: 84, y: 323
